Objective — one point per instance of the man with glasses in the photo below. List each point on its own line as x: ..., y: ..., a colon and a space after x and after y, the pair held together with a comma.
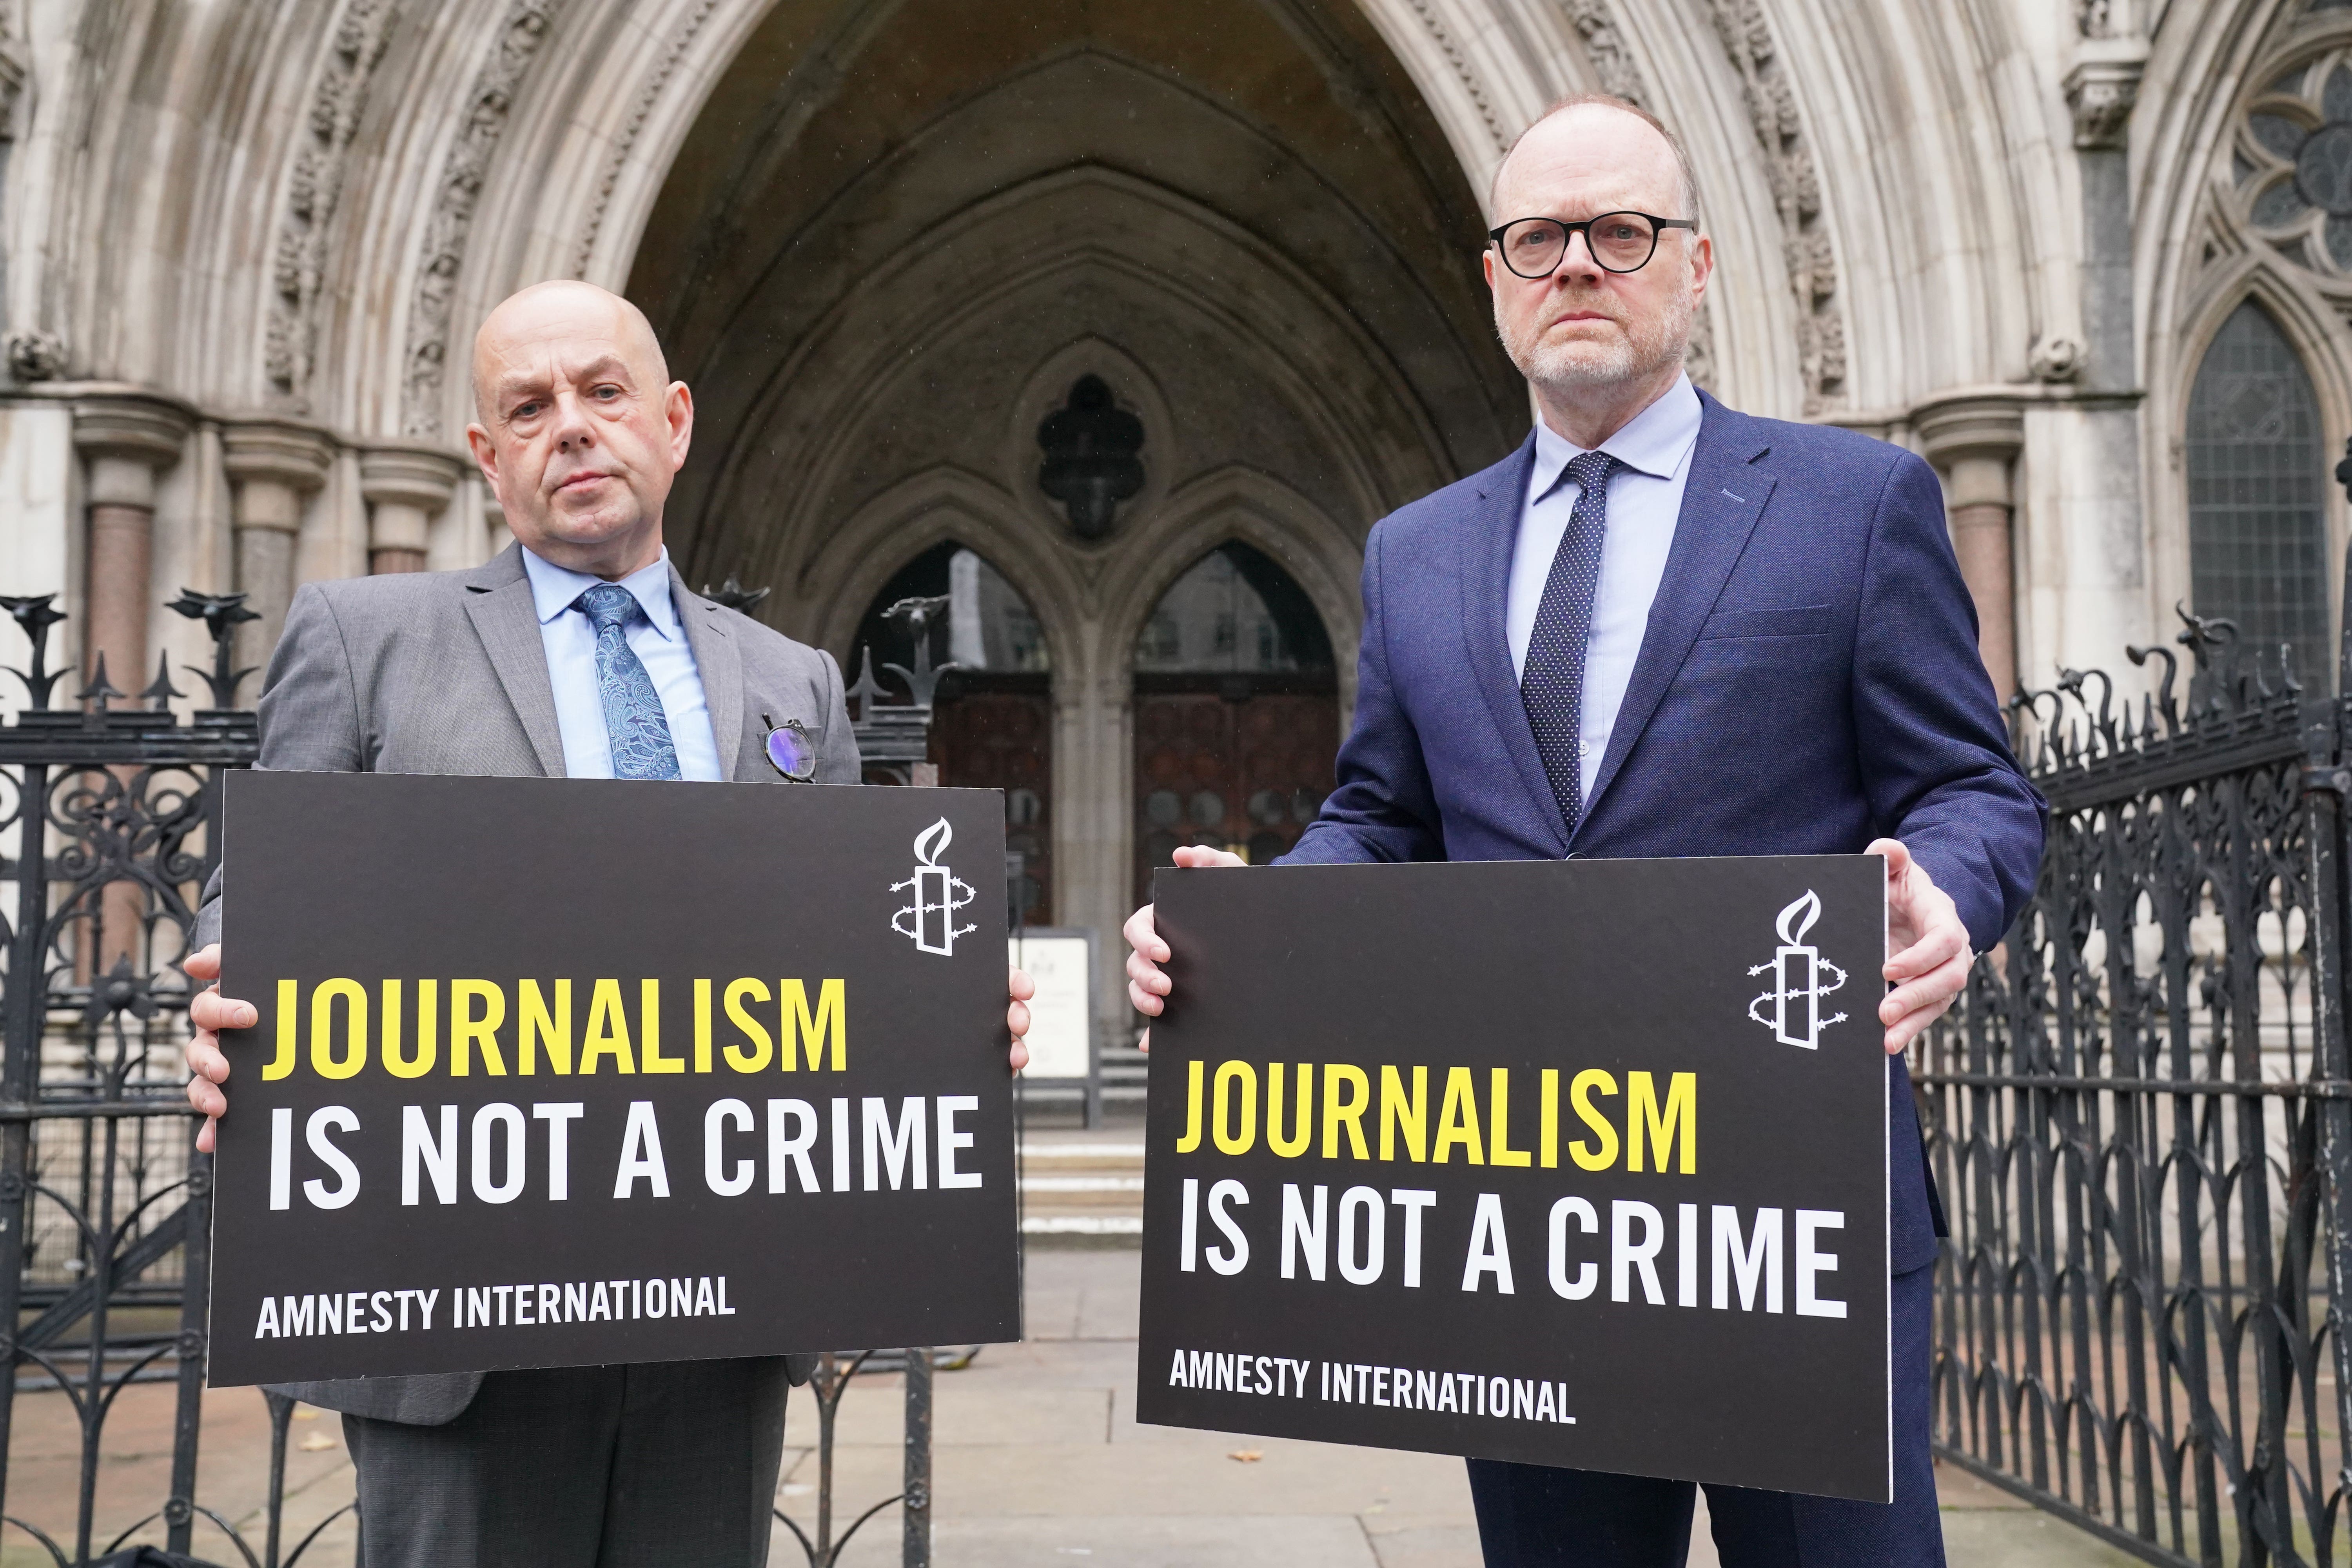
x: 1662, y: 627
x: 578, y: 653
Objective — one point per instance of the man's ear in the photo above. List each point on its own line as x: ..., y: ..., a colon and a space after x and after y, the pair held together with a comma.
x: 677, y: 410
x: 486, y: 455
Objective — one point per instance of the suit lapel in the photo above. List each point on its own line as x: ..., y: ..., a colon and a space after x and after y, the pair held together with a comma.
x: 720, y: 665
x: 499, y: 602
x: 1485, y: 593
x: 1724, y: 497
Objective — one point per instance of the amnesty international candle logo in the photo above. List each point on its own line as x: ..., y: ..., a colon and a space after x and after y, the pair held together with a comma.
x: 939, y: 893
x: 1800, y: 978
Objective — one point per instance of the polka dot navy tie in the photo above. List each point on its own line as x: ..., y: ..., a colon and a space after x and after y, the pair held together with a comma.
x: 634, y: 720
x: 1552, y: 682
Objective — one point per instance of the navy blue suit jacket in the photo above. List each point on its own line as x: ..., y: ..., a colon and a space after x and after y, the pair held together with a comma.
x: 1809, y: 682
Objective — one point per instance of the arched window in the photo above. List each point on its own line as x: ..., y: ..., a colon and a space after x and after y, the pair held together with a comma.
x: 1234, y: 612
x: 992, y: 727
x: 2257, y: 517
x: 1236, y: 713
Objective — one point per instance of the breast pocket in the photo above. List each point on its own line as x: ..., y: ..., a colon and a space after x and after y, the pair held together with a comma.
x: 1800, y: 621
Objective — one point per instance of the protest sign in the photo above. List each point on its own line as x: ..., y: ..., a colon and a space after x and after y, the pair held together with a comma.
x: 561, y: 1072
x: 1573, y: 1163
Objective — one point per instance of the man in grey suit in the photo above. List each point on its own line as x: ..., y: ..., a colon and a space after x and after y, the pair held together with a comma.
x: 579, y: 652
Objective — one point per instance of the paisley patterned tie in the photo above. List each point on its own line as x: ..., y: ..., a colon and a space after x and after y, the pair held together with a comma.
x: 1552, y: 683
x: 634, y: 720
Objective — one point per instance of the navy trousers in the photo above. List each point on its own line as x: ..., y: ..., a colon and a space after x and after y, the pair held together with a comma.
x: 1533, y: 1516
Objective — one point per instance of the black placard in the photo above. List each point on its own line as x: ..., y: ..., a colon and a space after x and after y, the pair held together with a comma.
x: 1686, y: 1276
x: 589, y: 966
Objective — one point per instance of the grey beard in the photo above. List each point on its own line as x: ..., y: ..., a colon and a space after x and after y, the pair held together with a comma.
x: 1643, y: 352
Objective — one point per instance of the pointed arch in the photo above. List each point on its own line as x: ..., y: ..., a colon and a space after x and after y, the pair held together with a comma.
x: 2254, y: 458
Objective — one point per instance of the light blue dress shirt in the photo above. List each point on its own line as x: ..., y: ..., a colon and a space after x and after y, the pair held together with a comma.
x: 660, y: 645
x: 1645, y: 498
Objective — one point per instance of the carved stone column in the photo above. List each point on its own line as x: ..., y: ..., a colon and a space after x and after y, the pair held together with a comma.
x: 272, y: 465
x: 405, y: 488
x: 1974, y: 443
x: 124, y: 442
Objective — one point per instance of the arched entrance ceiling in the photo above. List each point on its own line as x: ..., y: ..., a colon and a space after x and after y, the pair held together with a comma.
x: 888, y: 223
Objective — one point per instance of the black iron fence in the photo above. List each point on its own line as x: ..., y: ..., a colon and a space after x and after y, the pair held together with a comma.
x: 2140, y: 1120
x: 109, y: 811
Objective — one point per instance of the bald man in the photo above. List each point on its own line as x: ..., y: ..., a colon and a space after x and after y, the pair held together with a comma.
x: 579, y: 653
x: 1663, y: 627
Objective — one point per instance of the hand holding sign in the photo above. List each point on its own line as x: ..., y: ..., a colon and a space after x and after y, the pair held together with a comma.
x: 1931, y: 957
x: 1145, y: 982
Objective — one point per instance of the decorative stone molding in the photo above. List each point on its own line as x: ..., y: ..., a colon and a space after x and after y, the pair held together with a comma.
x: 1605, y: 46
x: 277, y: 455
x: 488, y: 107
x: 126, y: 441
x: 1790, y: 166
x: 1956, y: 429
x: 312, y: 188
x: 624, y: 145
x: 272, y: 464
x: 405, y: 488
x: 1473, y: 83
x: 35, y: 354
x: 1975, y: 440
x: 2055, y: 359
x: 2101, y: 91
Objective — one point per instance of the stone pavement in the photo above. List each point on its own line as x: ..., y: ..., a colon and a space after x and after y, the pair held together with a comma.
x: 1038, y: 1462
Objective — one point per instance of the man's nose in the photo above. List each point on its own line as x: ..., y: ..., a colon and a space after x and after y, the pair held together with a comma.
x: 574, y: 430
x: 1577, y: 261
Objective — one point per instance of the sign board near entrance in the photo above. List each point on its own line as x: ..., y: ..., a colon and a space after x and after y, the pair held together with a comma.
x: 557, y: 1072
x: 1569, y: 1163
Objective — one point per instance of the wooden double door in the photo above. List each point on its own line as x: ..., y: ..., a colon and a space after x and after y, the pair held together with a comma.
x: 1242, y: 763
x: 997, y: 733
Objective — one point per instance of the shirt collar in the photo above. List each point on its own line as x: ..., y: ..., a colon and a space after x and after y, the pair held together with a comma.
x: 1655, y: 442
x: 554, y: 588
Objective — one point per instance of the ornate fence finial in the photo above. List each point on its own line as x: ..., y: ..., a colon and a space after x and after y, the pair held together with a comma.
x: 734, y: 595
x: 99, y: 694
x: 222, y: 614
x: 35, y: 616
x: 865, y: 689
x: 916, y: 615
x: 161, y: 692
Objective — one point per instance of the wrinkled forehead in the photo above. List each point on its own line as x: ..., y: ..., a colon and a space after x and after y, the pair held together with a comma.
x: 563, y: 335
x: 1585, y: 161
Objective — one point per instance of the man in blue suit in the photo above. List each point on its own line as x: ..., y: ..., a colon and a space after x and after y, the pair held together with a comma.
x: 1663, y: 627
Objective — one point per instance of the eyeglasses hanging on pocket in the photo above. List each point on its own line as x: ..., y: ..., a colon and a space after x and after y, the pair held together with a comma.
x: 790, y: 750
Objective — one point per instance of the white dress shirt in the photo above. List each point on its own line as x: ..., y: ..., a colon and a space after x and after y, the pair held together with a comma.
x: 661, y: 647
x: 1645, y: 498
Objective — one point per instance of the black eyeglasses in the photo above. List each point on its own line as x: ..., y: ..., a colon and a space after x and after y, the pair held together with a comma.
x: 1620, y: 242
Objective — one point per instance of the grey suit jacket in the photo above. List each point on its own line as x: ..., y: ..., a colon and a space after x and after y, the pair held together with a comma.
x: 443, y: 672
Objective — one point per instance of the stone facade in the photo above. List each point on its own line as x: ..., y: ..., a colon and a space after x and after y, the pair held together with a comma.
x: 245, y: 246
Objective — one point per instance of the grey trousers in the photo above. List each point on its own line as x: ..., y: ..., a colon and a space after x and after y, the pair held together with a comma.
x: 667, y: 1463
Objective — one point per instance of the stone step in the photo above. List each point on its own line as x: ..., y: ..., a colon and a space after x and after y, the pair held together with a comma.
x: 1083, y: 1188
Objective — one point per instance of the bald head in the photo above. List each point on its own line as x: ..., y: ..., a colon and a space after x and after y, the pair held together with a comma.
x: 578, y: 426
x: 1600, y: 127
x: 562, y: 309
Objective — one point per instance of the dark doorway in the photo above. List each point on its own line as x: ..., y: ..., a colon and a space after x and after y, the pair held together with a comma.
x: 1236, y: 714
x: 993, y: 725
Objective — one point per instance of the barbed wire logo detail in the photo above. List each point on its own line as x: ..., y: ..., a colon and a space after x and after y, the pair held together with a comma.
x: 939, y: 893
x: 1798, y: 975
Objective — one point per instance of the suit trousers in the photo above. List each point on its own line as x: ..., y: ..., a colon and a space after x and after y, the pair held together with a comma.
x: 1534, y: 1516
x: 668, y: 1463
